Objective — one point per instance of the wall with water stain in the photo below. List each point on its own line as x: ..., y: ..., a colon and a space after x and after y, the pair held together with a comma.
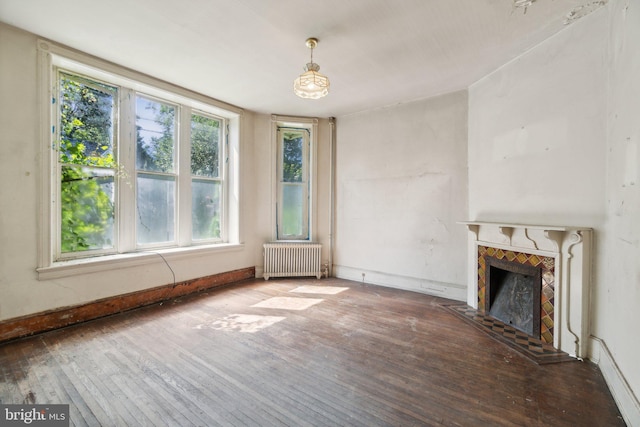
x: 401, y: 185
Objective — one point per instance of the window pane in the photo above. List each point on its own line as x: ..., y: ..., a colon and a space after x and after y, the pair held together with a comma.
x: 205, y: 142
x: 86, y: 122
x: 292, y: 157
x: 156, y: 209
x: 87, y: 209
x: 205, y: 216
x: 155, y: 135
x: 292, y: 210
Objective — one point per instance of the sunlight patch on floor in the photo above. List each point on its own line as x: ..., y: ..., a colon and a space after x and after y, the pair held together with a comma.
x: 241, y: 323
x: 288, y: 303
x: 311, y: 289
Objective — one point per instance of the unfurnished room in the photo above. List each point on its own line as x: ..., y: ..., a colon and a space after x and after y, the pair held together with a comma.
x: 331, y: 213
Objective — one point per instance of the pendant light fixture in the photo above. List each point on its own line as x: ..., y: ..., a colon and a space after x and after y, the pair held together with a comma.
x: 311, y: 84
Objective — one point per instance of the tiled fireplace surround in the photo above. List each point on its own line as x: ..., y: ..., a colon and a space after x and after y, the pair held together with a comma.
x: 562, y: 253
x: 547, y: 297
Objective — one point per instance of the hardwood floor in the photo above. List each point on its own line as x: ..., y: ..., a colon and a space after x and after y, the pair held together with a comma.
x: 365, y: 356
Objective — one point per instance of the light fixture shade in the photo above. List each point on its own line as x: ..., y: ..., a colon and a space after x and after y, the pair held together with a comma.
x: 311, y: 84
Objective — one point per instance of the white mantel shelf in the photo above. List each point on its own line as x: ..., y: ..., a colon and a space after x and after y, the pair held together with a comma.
x: 553, y: 233
x: 504, y: 225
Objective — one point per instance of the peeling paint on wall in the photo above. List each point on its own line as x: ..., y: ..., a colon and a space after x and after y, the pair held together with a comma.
x: 583, y: 10
x: 523, y: 4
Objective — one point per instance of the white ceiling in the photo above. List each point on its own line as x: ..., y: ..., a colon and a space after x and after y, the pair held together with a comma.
x: 248, y: 52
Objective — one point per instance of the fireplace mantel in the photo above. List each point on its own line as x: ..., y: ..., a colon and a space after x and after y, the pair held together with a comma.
x: 551, y: 233
x: 570, y: 247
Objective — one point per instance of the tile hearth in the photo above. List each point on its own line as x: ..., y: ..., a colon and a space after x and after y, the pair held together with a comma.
x: 532, y: 348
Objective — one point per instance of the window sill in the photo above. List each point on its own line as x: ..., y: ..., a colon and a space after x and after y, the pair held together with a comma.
x: 109, y: 262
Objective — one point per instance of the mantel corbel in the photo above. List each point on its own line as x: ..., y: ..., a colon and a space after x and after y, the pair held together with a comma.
x: 474, y: 228
x: 506, y: 231
x: 555, y: 236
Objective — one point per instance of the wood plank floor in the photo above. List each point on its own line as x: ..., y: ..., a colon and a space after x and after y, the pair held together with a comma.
x: 365, y: 356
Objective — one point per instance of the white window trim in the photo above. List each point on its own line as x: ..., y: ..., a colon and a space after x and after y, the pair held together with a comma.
x: 80, y: 266
x: 310, y: 123
x: 51, y: 55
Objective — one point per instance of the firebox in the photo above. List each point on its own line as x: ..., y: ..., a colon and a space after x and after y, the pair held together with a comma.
x: 512, y: 294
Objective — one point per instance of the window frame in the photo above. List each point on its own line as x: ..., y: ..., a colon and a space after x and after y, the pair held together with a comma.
x: 176, y: 174
x: 51, y: 264
x: 57, y: 196
x: 304, y: 184
x: 221, y: 178
x: 309, y: 125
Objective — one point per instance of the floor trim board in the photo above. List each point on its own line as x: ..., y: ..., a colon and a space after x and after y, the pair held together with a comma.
x: 53, y: 319
x: 622, y: 393
x: 425, y: 286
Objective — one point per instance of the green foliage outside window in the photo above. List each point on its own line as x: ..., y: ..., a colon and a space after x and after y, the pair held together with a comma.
x: 88, y: 168
x: 205, y: 143
x: 86, y: 123
x: 293, y: 203
x: 88, y: 164
x: 155, y: 130
x: 205, y: 159
x: 292, y: 157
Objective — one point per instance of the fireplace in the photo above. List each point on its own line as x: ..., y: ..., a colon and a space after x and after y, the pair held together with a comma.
x: 513, y: 294
x: 534, y: 278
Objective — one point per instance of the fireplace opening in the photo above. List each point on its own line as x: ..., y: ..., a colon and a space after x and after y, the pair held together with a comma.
x: 513, y: 294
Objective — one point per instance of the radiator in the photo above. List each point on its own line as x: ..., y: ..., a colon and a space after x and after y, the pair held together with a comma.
x: 292, y: 260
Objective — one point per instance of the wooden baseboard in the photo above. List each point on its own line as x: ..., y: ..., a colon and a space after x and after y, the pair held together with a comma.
x: 627, y: 402
x: 45, y: 321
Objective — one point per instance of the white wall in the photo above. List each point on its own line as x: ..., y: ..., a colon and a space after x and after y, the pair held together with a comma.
x: 536, y: 133
x: 401, y: 187
x: 616, y: 298
x: 553, y: 140
x: 21, y: 292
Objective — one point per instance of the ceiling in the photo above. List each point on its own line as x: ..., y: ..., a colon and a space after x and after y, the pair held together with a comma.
x: 248, y: 52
